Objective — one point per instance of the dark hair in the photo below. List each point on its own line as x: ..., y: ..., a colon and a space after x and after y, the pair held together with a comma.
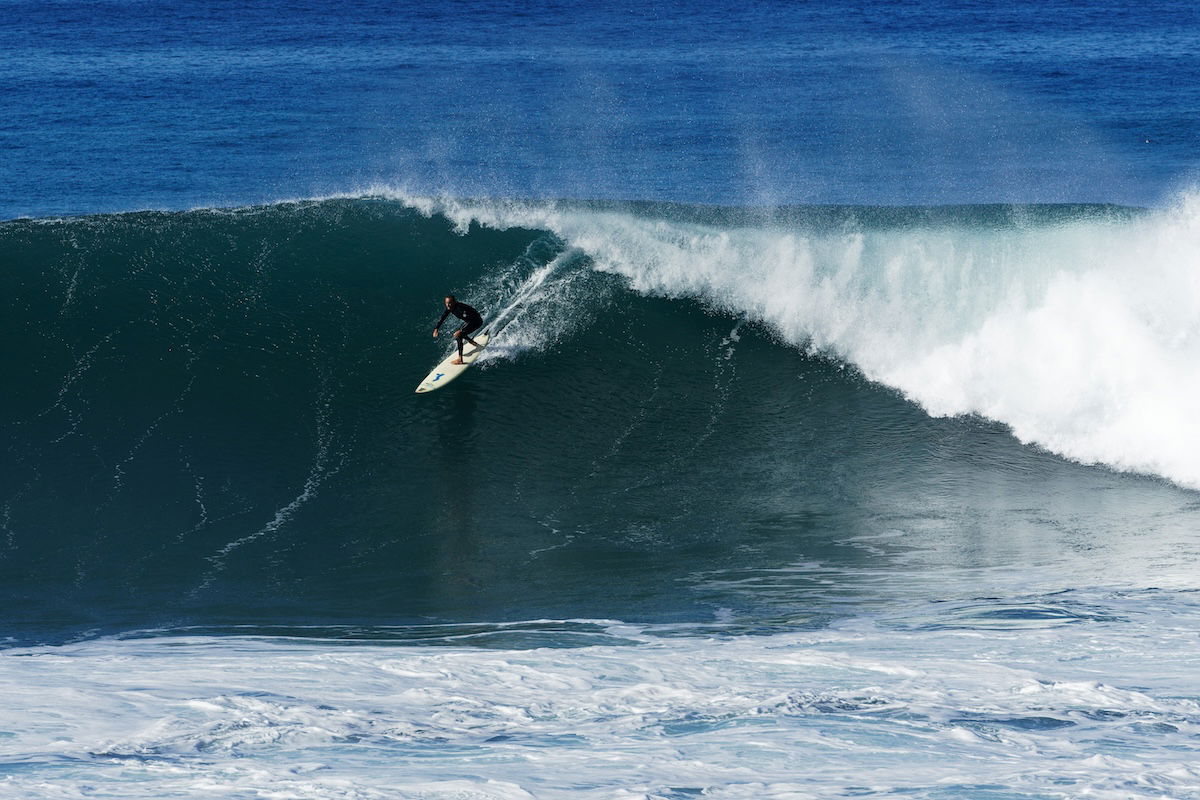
x: 451, y: 298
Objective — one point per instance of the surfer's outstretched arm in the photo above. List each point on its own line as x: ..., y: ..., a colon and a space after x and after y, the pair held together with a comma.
x: 445, y: 314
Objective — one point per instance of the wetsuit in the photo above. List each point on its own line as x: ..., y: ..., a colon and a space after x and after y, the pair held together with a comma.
x: 471, y: 322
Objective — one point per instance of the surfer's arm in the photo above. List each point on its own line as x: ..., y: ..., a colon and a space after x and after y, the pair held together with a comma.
x: 445, y: 314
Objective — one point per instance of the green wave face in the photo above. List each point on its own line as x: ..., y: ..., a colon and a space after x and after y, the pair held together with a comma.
x: 209, y: 419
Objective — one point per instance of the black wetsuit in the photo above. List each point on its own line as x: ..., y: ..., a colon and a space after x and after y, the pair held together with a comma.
x: 471, y: 322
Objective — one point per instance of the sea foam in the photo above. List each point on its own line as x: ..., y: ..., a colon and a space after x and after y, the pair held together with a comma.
x: 928, y: 713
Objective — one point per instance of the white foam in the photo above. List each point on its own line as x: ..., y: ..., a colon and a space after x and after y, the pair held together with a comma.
x: 529, y: 298
x: 1078, y: 709
x: 1083, y: 337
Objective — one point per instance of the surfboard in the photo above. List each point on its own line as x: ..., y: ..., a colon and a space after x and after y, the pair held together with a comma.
x: 445, y: 372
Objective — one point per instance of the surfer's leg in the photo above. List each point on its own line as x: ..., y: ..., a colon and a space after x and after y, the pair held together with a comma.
x: 466, y: 332
x: 458, y: 338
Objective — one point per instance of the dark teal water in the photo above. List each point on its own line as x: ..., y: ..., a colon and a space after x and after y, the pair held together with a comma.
x: 211, y: 421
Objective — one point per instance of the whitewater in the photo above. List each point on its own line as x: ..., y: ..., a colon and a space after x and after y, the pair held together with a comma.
x: 864, y: 708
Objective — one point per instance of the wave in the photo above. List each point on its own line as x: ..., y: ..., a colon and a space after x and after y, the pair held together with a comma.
x: 209, y: 416
x: 1076, y: 326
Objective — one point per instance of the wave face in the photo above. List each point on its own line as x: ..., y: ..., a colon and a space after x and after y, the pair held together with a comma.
x: 1074, y: 326
x: 210, y: 417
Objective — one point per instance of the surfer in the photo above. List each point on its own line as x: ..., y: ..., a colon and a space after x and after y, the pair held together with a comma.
x: 471, y: 323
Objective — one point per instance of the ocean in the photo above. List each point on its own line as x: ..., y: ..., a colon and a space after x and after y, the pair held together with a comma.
x: 837, y: 438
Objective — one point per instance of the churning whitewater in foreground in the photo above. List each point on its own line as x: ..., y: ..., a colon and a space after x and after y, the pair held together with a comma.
x: 1049, y: 699
x: 1079, y: 333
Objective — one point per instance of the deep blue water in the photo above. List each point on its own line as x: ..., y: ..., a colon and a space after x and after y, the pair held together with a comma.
x: 121, y: 105
x: 838, y: 436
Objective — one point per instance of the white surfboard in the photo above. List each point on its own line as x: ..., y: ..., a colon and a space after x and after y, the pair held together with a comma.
x: 445, y: 372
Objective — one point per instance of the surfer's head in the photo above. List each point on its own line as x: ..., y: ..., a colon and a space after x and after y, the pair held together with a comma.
x: 449, y: 300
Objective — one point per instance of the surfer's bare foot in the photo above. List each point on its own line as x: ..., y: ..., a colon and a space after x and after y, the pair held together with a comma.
x: 456, y: 361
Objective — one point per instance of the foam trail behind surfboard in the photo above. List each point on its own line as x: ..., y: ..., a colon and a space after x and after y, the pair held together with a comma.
x: 515, y: 308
